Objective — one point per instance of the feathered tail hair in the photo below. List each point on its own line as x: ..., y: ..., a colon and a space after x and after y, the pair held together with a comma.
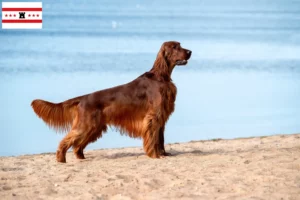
x: 58, y: 116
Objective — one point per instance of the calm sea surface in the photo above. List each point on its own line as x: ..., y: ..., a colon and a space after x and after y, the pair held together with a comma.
x: 243, y: 78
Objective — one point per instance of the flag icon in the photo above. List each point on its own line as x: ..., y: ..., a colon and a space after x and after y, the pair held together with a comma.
x: 22, y: 15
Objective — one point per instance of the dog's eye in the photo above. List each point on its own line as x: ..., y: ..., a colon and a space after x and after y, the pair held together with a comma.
x: 174, y: 47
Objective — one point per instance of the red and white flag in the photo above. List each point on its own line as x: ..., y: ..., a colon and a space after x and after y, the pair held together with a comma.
x: 22, y: 15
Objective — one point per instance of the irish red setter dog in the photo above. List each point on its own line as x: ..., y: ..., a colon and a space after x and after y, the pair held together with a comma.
x: 139, y: 109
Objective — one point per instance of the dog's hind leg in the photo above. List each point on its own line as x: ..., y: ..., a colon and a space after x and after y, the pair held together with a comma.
x: 65, y: 144
x: 95, y: 128
x: 81, y: 144
x: 78, y: 138
x: 78, y: 149
x: 82, y: 127
x: 91, y: 137
x: 79, y: 152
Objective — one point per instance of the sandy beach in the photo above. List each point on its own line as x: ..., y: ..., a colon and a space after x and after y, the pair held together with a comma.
x: 246, y: 168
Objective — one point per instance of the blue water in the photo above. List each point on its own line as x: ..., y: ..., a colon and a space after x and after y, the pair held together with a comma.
x: 243, y: 78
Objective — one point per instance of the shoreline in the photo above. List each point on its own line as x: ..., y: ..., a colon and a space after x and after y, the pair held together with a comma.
x: 132, y: 147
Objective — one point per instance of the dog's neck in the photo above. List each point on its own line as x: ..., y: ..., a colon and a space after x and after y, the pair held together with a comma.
x: 161, y: 69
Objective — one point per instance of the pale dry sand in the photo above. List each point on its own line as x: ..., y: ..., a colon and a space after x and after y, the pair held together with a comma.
x: 253, y: 168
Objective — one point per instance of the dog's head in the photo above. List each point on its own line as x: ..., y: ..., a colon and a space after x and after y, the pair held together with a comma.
x: 174, y: 54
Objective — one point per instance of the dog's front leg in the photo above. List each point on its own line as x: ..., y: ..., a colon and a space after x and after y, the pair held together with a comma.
x: 151, y: 137
x: 162, y: 142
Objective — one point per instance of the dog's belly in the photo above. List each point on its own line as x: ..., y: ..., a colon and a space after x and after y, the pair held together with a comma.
x: 127, y: 119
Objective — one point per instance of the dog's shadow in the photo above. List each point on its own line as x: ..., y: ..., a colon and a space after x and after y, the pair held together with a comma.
x: 173, y: 153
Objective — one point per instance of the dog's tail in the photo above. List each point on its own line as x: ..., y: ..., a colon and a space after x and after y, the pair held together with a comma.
x: 58, y: 116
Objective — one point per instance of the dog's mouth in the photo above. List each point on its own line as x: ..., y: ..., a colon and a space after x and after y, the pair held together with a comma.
x: 181, y: 62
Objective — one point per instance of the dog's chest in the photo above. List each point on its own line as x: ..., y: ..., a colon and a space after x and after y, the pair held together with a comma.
x: 168, y: 98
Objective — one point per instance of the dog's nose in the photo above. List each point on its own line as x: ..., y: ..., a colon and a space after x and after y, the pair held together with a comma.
x: 189, y: 52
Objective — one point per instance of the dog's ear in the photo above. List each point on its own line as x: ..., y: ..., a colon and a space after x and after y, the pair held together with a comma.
x: 164, y: 51
x: 161, y: 65
x: 162, y: 57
